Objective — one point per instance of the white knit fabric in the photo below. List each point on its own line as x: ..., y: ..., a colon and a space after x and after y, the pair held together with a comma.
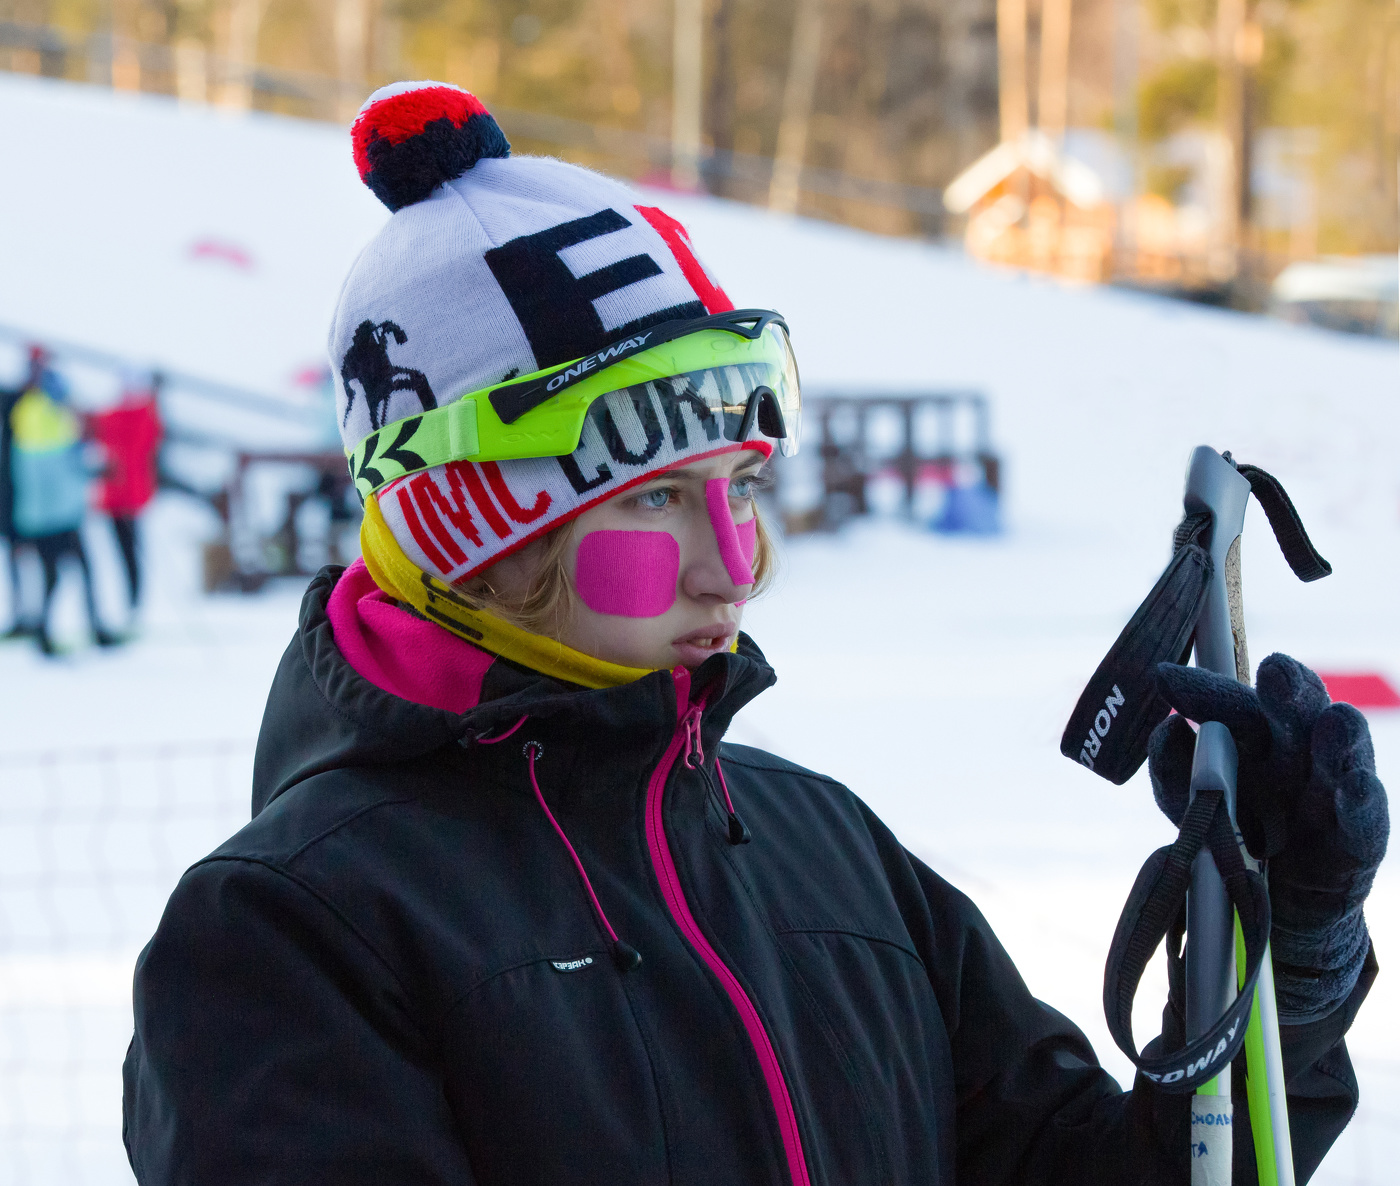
x: 518, y: 258
x: 426, y: 273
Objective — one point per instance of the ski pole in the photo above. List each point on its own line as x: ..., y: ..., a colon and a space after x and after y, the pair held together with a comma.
x: 1215, y: 486
x: 1206, y: 876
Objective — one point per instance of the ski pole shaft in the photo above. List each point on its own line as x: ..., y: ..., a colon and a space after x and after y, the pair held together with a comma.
x: 1214, y: 485
x: 1268, y: 1100
x: 1210, y: 965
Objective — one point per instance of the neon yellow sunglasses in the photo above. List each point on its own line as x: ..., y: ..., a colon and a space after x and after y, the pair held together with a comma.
x: 542, y: 414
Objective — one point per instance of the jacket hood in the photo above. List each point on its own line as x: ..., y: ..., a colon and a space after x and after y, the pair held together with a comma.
x: 322, y: 715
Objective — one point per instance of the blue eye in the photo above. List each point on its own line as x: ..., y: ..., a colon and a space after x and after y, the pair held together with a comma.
x: 741, y: 487
x: 657, y: 498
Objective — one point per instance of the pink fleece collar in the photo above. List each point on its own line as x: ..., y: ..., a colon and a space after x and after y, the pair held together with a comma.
x: 400, y: 652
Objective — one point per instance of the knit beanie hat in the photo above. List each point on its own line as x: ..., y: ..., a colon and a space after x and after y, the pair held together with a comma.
x: 494, y: 266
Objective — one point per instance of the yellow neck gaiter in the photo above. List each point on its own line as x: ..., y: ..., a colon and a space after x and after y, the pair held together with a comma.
x: 398, y: 576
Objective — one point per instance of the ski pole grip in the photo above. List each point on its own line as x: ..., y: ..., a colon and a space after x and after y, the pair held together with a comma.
x: 1216, y: 486
x: 1215, y: 765
x: 1210, y: 916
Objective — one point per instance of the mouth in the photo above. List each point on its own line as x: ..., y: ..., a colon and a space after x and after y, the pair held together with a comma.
x: 706, y: 641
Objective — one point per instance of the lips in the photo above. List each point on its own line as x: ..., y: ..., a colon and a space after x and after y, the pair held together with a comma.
x: 699, y: 645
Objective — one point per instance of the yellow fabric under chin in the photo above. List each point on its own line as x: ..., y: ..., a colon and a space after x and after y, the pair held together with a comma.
x: 398, y: 576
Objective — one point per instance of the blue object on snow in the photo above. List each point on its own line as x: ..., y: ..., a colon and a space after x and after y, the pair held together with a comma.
x: 969, y: 510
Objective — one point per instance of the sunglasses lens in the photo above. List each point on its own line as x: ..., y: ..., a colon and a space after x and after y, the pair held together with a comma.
x: 734, y: 402
x: 766, y: 396
x: 787, y: 391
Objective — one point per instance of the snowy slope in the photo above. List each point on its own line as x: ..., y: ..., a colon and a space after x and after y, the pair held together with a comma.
x: 933, y: 675
x: 1096, y: 392
x: 210, y: 242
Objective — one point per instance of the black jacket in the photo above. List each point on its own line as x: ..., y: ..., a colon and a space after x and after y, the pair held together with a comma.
x: 395, y: 974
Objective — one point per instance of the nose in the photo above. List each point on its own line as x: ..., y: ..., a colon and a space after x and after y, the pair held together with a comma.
x: 734, y: 548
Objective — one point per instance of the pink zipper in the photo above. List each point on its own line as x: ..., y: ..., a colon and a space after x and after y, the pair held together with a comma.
x: 688, y: 731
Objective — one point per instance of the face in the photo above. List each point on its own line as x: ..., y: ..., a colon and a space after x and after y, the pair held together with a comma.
x: 691, y: 525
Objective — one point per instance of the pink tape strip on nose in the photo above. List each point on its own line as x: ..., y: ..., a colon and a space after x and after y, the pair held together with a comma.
x: 748, y: 539
x: 630, y: 574
x: 734, y: 550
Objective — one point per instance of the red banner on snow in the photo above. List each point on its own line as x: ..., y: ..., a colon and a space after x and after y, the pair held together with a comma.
x: 1364, y: 689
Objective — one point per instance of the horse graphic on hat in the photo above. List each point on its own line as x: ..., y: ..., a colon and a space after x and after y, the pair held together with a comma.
x: 367, y: 362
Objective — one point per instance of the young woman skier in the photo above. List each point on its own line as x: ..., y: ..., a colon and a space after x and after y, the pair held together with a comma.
x: 509, y: 909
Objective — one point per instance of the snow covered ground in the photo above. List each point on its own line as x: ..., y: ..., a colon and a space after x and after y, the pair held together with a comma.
x: 932, y: 675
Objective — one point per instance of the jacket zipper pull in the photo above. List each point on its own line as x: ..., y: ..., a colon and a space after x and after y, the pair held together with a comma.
x: 694, y: 747
x: 695, y: 760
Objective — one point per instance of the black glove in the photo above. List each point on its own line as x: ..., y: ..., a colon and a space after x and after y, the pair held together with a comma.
x: 1309, y: 801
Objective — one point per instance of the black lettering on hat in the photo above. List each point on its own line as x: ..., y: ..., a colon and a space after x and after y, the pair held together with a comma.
x: 635, y: 411
x: 678, y: 394
x: 555, y: 307
x: 581, y: 484
x: 591, y: 451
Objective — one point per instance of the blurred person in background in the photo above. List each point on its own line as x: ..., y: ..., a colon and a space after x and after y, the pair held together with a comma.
x: 21, y: 624
x: 509, y: 909
x: 129, y: 435
x: 51, y: 478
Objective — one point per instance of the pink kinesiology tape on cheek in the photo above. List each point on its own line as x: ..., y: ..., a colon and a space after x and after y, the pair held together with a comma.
x: 731, y: 550
x: 629, y: 574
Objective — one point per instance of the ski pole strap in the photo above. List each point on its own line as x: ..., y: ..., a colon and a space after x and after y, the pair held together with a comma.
x: 1109, y: 729
x: 1298, y: 550
x: 1190, y: 530
x: 1154, y: 906
x: 1110, y: 726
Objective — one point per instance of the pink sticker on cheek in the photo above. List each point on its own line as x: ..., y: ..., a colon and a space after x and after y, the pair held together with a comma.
x: 629, y: 574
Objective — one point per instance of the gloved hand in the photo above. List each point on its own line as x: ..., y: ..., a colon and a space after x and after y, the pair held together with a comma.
x: 1309, y: 801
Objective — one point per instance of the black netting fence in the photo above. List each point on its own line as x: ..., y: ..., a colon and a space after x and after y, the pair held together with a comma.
x: 91, y: 844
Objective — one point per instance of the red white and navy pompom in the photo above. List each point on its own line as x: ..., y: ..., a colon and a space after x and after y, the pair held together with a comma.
x: 411, y: 137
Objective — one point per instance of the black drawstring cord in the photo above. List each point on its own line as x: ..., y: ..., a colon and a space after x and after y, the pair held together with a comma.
x: 738, y: 830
